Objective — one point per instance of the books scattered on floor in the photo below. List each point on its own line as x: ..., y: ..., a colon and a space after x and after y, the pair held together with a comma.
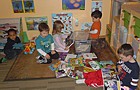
x: 70, y: 56
x: 89, y: 56
x: 75, y: 66
x: 95, y: 65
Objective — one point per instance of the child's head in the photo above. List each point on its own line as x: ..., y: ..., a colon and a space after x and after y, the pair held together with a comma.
x: 57, y: 26
x: 12, y: 33
x: 44, y: 29
x: 125, y: 52
x: 96, y: 15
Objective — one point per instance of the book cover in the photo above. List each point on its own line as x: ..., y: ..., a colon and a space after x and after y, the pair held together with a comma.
x: 75, y: 62
x: 89, y: 56
x: 95, y: 65
x: 70, y: 56
x: 60, y: 73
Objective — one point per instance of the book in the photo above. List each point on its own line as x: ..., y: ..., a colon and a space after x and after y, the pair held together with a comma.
x: 111, y: 85
x: 95, y: 65
x: 75, y: 62
x: 89, y: 56
x: 107, y: 64
x: 60, y: 73
x: 70, y: 56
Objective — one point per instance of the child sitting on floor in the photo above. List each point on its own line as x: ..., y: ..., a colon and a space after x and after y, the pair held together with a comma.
x: 13, y: 47
x: 59, y: 39
x: 45, y: 45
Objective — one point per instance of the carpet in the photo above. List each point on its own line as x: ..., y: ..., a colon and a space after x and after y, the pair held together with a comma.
x: 25, y: 67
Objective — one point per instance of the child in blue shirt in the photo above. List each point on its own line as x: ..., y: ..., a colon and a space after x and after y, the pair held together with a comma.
x: 128, y: 68
x: 45, y: 45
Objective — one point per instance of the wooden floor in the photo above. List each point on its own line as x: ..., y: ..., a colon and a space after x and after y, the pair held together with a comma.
x: 43, y: 84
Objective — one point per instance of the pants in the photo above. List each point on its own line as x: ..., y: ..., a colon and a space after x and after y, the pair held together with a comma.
x: 63, y: 55
x: 12, y: 53
x: 52, y: 56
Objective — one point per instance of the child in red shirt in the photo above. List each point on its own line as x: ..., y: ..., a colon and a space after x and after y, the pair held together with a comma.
x: 96, y: 26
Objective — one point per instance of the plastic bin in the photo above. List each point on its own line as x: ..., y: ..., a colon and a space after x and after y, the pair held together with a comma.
x: 137, y: 30
x: 115, y: 41
x: 123, y: 35
x: 137, y: 21
x: 83, y: 46
x: 80, y: 35
x: 135, y: 44
x: 126, y: 23
x: 126, y: 15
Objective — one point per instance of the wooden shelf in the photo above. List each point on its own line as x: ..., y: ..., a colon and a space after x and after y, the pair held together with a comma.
x: 133, y: 8
x: 117, y: 19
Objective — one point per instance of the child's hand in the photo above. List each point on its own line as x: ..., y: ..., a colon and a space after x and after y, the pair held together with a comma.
x: 119, y: 68
x: 52, y: 52
x: 47, y: 56
x: 67, y: 48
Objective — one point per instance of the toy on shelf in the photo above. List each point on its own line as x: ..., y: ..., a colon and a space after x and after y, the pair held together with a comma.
x: 29, y: 48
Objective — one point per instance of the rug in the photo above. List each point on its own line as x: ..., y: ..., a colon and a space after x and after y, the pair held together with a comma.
x: 25, y: 67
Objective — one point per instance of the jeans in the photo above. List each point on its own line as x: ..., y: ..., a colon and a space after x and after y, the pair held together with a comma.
x: 12, y: 53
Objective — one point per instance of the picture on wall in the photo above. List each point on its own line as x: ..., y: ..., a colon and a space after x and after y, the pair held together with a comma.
x: 5, y: 25
x: 73, y: 4
x: 17, y: 6
x: 29, y: 6
x: 66, y: 19
x: 96, y: 5
x: 33, y: 22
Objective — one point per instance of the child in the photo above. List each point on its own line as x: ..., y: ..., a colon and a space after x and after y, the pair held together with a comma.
x: 128, y: 68
x: 45, y: 45
x: 59, y: 39
x: 96, y: 26
x: 13, y: 46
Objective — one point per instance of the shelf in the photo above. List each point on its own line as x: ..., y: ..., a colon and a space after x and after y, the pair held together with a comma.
x: 117, y: 19
x: 133, y: 8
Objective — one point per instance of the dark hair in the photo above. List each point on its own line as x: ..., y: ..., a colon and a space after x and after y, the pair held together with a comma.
x: 126, y: 49
x: 12, y: 30
x: 96, y: 14
x: 43, y: 27
x: 57, y: 26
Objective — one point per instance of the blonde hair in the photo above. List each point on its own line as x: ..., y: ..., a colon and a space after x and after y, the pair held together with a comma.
x: 57, y: 27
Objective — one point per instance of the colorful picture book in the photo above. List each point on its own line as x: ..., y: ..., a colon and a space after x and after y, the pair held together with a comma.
x: 69, y: 56
x: 60, y: 73
x: 76, y: 62
x: 107, y: 64
x: 111, y: 79
x: 89, y: 56
x: 95, y: 65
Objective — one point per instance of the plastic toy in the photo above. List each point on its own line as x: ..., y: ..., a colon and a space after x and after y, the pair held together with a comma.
x: 29, y: 48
